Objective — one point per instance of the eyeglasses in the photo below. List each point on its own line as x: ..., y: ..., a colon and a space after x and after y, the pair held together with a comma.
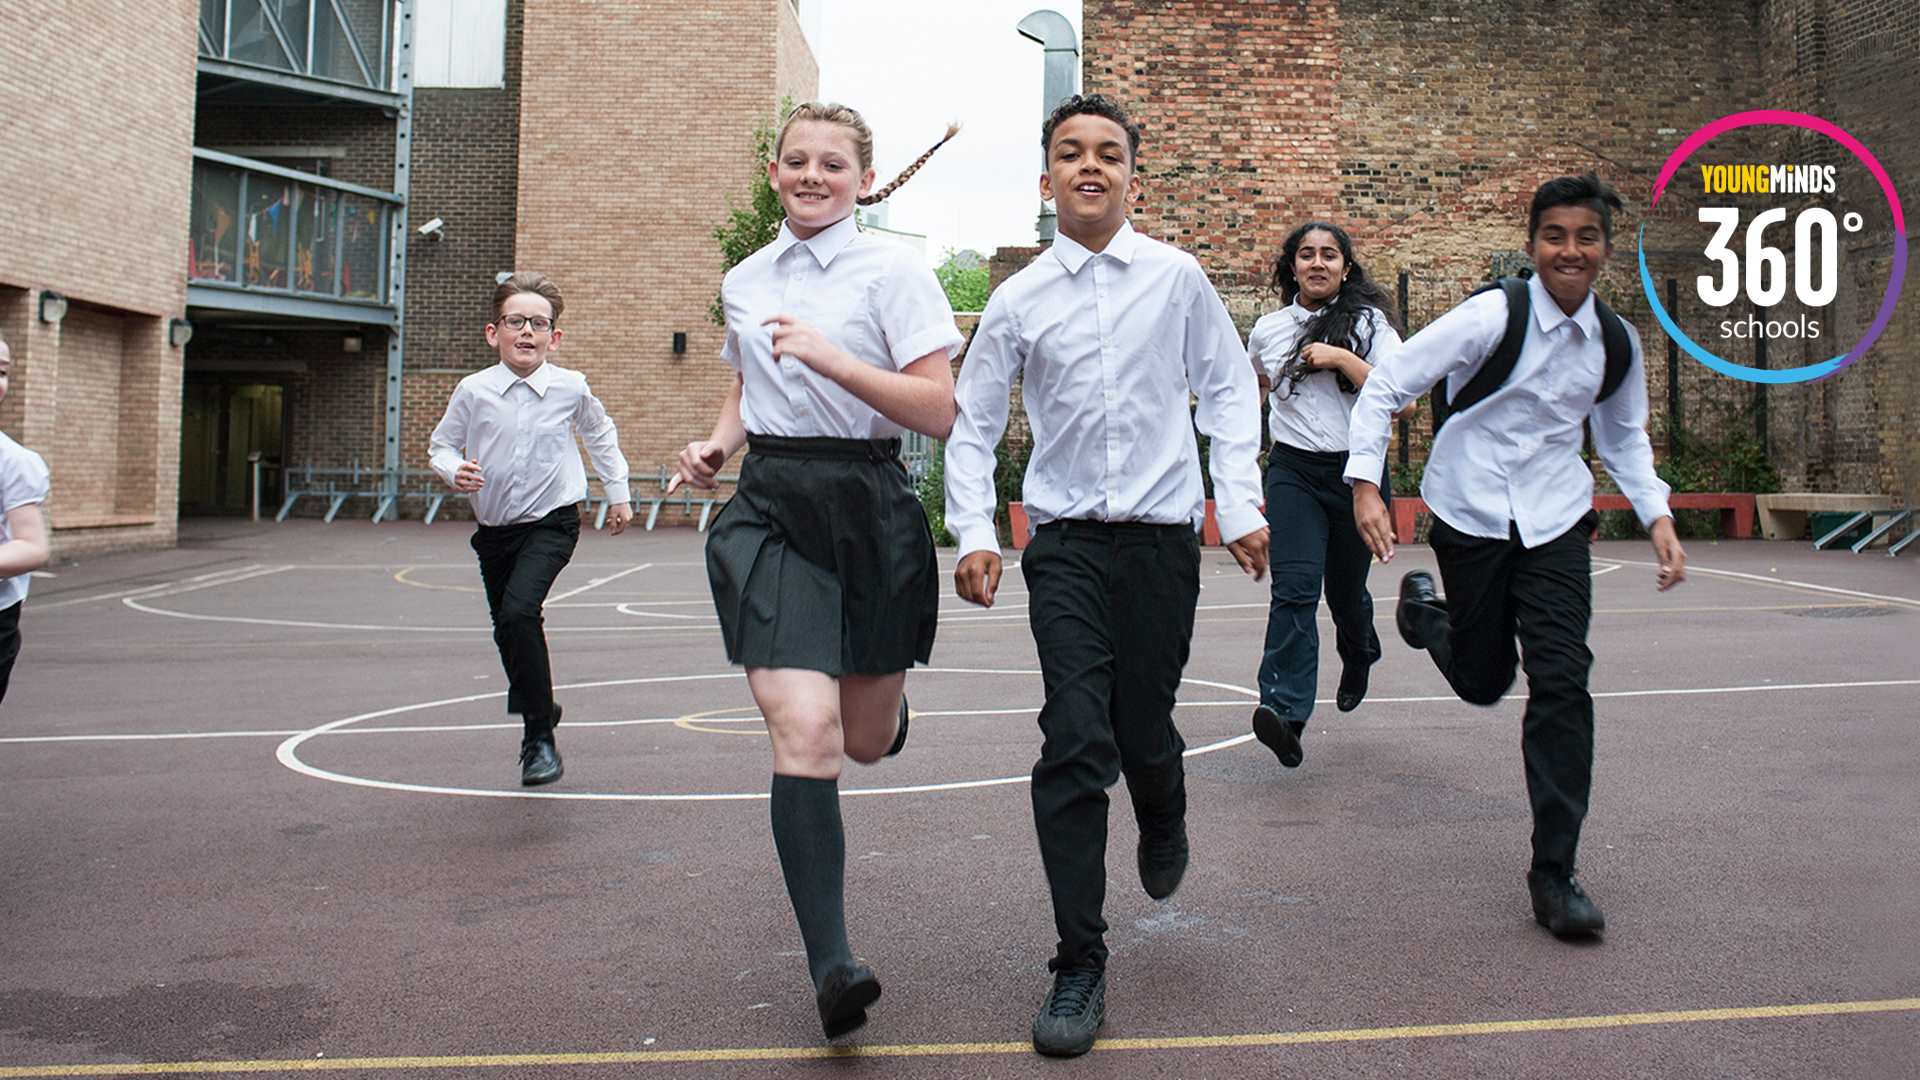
x: 540, y: 323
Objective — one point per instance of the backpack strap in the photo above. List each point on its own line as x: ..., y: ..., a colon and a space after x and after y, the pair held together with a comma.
x: 1494, y: 371
x: 1613, y: 335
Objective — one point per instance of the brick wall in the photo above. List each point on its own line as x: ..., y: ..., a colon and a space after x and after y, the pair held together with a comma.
x: 644, y: 135
x: 1425, y: 129
x: 99, y: 122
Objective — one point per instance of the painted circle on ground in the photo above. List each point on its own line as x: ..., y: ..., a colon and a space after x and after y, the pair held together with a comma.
x: 288, y: 751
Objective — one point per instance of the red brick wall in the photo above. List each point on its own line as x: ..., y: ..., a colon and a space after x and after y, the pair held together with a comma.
x: 1425, y: 129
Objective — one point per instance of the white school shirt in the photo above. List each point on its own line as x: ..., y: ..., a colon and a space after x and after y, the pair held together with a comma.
x: 23, y: 482
x: 1515, y: 457
x: 521, y: 433
x: 874, y: 298
x: 1315, y: 417
x: 1112, y: 343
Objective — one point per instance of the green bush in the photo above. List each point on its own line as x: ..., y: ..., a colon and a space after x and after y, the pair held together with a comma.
x: 932, y: 490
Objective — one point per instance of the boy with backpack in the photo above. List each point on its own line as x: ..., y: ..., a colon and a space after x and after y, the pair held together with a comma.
x: 1512, y: 503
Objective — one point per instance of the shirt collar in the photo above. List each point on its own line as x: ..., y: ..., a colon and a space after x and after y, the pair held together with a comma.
x: 500, y: 378
x: 1547, y: 313
x: 823, y: 245
x: 1073, y: 255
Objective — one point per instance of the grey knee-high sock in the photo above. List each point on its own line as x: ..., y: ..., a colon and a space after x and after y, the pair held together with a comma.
x: 813, y: 856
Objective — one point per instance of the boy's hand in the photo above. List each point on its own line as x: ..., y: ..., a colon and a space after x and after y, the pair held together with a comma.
x: 1669, y: 554
x: 1371, y: 518
x: 617, y: 518
x: 977, y: 578
x: 1250, y: 551
x: 699, y: 463
x: 468, y: 477
x: 800, y: 341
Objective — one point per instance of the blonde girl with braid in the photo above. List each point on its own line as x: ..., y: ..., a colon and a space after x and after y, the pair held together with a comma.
x: 822, y: 564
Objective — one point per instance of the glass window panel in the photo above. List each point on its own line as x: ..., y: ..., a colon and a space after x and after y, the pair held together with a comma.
x: 333, y: 42
x: 266, y: 230
x: 293, y: 21
x: 213, y: 247
x: 254, y: 41
x: 213, y: 20
x: 363, y: 225
x: 317, y: 240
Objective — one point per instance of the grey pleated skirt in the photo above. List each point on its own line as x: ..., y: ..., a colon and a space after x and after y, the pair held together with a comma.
x: 823, y: 559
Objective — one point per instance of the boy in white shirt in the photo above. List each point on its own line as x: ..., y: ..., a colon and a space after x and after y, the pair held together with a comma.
x: 23, y: 530
x: 1114, y: 331
x: 1512, y: 502
x: 507, y: 442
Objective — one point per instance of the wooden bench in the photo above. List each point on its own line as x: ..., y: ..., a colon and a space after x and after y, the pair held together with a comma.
x: 1783, y: 516
x: 1736, y: 510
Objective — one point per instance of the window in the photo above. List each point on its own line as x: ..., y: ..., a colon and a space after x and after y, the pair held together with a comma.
x: 459, y: 43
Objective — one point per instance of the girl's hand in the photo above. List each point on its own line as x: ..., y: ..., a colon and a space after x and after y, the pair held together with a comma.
x: 469, y: 477
x: 1321, y: 356
x: 699, y: 463
x: 795, y: 340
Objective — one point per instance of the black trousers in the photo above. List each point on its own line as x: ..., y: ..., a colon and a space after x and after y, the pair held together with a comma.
x: 9, y: 644
x: 1316, y: 547
x: 1497, y: 591
x: 518, y: 564
x: 1111, y: 607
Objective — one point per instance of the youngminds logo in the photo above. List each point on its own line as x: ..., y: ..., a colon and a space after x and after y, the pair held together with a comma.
x: 1776, y: 243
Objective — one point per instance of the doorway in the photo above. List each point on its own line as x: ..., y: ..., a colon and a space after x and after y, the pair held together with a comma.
x: 222, y: 423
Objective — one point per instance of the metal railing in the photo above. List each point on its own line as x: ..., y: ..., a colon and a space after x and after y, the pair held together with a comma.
x: 260, y: 227
x: 341, y: 41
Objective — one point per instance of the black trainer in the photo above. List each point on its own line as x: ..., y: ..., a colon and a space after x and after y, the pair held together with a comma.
x: 844, y: 997
x: 1279, y: 735
x: 900, y: 736
x: 539, y: 762
x: 1071, y: 1016
x: 1562, y: 906
x: 1162, y: 857
x: 1415, y: 588
x: 1353, y: 686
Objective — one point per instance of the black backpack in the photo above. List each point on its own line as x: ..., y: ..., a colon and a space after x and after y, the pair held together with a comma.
x: 1613, y: 337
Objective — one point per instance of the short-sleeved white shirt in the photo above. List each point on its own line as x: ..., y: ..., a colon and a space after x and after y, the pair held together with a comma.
x: 872, y: 297
x: 23, y: 482
x: 1315, y: 417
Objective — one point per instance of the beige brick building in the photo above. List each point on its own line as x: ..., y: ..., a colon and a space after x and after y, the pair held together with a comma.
x: 96, y: 173
x: 255, y: 176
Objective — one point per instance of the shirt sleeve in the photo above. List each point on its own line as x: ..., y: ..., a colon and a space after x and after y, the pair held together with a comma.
x: 1456, y: 341
x: 730, y: 347
x: 603, y: 445
x: 914, y: 313
x: 982, y: 397
x: 25, y: 481
x: 1262, y: 350
x: 447, y: 446
x: 1228, y: 409
x: 1386, y: 340
x: 1620, y: 437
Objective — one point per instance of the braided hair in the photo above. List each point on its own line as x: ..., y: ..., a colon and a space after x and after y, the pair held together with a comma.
x: 850, y: 118
x: 1346, y: 320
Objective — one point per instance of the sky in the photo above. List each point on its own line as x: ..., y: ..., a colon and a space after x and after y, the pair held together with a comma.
x: 910, y: 66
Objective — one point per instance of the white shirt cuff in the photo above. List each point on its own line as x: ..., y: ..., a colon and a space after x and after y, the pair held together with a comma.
x: 1367, y: 467
x: 978, y: 538
x: 1238, y: 521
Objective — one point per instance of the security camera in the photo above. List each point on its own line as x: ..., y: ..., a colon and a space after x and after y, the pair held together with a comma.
x: 436, y: 229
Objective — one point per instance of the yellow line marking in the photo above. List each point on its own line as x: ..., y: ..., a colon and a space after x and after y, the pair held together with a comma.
x: 690, y: 722
x: 815, y: 1053
x: 402, y: 577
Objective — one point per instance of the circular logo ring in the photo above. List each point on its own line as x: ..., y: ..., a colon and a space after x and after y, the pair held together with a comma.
x: 1780, y: 118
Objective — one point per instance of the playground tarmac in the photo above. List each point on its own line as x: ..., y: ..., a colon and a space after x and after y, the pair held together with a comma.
x: 260, y: 814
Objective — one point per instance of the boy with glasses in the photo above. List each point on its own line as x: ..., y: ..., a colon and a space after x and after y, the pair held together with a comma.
x: 507, y: 442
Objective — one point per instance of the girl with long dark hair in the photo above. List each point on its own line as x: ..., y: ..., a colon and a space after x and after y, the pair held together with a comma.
x: 1312, y: 356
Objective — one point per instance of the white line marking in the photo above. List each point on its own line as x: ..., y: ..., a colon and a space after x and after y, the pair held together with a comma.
x: 628, y: 609
x: 1608, y: 569
x: 287, y: 751
x: 1692, y: 569
x: 154, y: 588
x: 597, y: 582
